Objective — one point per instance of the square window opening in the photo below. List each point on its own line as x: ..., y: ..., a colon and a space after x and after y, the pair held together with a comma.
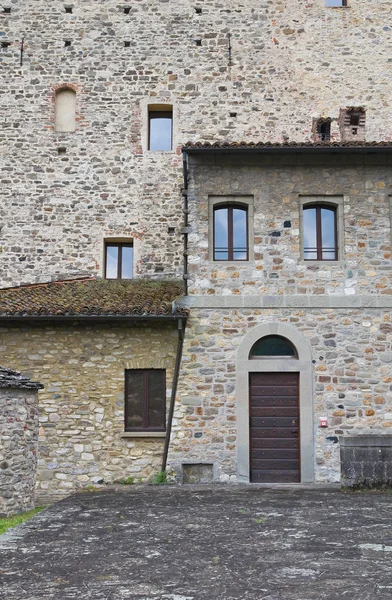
x: 160, y: 128
x: 145, y: 400
x: 118, y: 260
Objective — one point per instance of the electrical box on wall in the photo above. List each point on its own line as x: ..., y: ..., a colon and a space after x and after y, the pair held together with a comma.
x: 323, y: 422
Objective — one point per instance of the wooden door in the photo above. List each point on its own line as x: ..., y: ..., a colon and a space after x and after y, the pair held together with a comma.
x: 274, y: 427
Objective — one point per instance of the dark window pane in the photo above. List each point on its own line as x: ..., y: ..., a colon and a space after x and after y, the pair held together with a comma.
x: 273, y: 345
x: 328, y: 233
x: 160, y: 131
x: 310, y: 237
x: 221, y: 235
x: 111, y: 262
x: 239, y: 234
x: 135, y: 391
x: 127, y: 262
x: 156, y: 399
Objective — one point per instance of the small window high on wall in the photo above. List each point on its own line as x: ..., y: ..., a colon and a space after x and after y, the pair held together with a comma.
x: 65, y: 108
x: 118, y: 260
x: 335, y: 2
x: 160, y: 127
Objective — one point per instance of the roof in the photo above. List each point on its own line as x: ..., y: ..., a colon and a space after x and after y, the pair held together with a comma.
x: 13, y: 379
x: 274, y: 146
x: 93, y: 297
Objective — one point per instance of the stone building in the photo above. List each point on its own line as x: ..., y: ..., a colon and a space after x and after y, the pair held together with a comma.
x: 232, y: 159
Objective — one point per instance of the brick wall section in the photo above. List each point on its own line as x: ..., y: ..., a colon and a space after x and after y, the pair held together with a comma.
x: 290, y: 62
x: 82, y: 405
x: 18, y: 447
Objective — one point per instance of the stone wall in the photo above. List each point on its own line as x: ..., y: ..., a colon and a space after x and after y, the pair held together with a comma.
x: 81, y: 435
x: 276, y: 186
x: 366, y: 461
x: 289, y: 62
x: 18, y: 442
x: 351, y: 382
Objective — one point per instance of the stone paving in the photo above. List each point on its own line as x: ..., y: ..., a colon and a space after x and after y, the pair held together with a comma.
x: 193, y: 543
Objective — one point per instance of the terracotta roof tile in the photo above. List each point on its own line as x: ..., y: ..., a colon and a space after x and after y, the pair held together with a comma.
x: 93, y: 297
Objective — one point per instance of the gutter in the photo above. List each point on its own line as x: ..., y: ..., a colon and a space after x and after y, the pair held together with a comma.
x: 291, y: 150
x: 181, y: 331
x: 185, y: 229
x: 87, y: 318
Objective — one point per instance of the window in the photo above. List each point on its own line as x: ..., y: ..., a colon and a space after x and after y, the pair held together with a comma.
x: 335, y: 2
x: 145, y: 399
x: 230, y: 233
x: 273, y: 346
x: 160, y: 127
x: 322, y: 130
x: 65, y: 110
x: 320, y: 232
x: 118, y: 260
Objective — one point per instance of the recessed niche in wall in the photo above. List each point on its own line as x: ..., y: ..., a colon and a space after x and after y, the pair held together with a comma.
x: 127, y: 44
x: 7, y: 9
x: 67, y: 43
x: 68, y: 9
x: 198, y: 42
x: 5, y: 44
x: 61, y: 150
x: 198, y: 473
x: 127, y: 10
x: 233, y: 114
x: 198, y: 10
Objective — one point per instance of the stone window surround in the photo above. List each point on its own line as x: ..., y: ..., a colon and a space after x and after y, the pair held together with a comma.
x: 338, y: 203
x: 120, y: 240
x: 244, y: 201
x: 165, y: 105
x: 390, y: 217
x: 301, y: 365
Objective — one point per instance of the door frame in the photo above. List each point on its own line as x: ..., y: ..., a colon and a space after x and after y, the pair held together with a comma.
x: 301, y: 365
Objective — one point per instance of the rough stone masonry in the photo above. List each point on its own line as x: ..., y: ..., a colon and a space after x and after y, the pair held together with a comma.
x: 18, y: 441
x: 238, y: 71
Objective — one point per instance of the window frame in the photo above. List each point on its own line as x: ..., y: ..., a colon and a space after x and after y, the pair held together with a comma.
x: 145, y: 404
x: 293, y: 356
x: 335, y: 202
x: 120, y: 246
x: 158, y: 111
x: 230, y: 233
x: 343, y: 5
x: 319, y: 235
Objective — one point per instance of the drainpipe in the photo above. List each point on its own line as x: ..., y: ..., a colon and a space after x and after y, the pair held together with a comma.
x: 185, y: 229
x: 181, y: 330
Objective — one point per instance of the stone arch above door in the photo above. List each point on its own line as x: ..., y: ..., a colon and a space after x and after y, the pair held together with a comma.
x: 302, y: 365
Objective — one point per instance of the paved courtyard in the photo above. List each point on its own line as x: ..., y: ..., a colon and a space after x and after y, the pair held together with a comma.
x: 191, y: 543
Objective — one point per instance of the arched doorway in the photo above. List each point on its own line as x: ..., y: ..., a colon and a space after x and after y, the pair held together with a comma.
x: 275, y: 406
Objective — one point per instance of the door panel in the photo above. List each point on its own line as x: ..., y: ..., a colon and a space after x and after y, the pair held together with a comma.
x: 274, y: 427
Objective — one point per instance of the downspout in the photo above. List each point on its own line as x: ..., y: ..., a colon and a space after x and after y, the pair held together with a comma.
x: 185, y: 229
x: 181, y: 330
